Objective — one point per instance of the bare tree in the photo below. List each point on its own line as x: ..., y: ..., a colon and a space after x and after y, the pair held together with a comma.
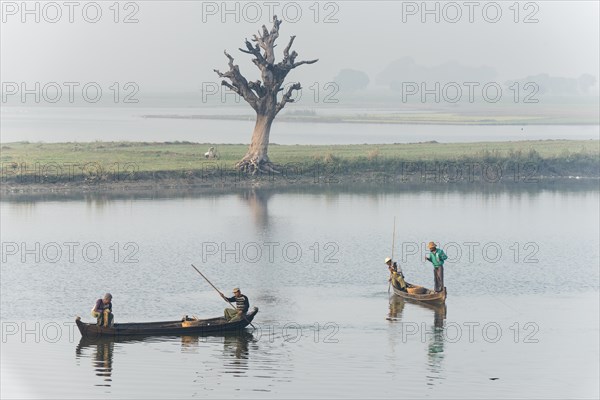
x: 263, y: 95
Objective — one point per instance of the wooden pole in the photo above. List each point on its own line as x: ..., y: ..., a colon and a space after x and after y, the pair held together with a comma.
x: 214, y: 287
x: 222, y: 295
x: 393, y: 239
x: 393, y: 245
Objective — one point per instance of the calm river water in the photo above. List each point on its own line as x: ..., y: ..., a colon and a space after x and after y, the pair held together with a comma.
x: 65, y: 124
x: 521, y: 319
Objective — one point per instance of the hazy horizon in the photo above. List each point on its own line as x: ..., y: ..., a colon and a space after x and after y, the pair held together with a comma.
x: 175, y: 46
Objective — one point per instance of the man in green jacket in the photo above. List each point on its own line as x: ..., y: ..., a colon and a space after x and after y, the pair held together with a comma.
x: 437, y: 257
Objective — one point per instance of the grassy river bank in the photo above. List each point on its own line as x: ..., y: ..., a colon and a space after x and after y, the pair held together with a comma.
x: 100, y: 166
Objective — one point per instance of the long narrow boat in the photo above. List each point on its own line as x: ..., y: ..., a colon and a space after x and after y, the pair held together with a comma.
x: 427, y: 296
x: 180, y: 327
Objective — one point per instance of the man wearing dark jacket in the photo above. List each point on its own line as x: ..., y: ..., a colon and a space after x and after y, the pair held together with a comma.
x: 102, y: 311
x: 242, y: 304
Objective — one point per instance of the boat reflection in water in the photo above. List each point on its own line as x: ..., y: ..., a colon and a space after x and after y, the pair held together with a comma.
x: 396, y: 308
x: 102, y: 358
x: 235, y: 344
x: 236, y: 347
x: 434, y: 334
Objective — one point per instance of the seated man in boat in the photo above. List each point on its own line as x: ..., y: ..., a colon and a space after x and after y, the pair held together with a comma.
x: 102, y: 311
x: 396, y: 276
x: 242, y: 304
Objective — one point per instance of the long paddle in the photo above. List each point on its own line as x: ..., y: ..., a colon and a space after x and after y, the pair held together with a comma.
x: 393, y: 245
x: 222, y: 295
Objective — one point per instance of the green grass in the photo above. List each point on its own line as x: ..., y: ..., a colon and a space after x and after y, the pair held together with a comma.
x: 560, y: 157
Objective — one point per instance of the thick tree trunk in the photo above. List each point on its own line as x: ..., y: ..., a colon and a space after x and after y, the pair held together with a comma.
x: 260, y: 139
x: 256, y: 159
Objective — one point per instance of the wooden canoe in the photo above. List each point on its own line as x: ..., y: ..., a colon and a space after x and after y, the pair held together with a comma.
x: 180, y: 327
x: 429, y: 297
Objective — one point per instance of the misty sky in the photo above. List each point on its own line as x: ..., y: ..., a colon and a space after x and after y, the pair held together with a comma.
x: 171, y: 48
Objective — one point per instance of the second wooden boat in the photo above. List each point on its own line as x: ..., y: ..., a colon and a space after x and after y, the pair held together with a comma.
x: 425, y: 295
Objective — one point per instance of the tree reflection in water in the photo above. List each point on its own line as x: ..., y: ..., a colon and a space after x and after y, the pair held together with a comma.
x: 235, y: 347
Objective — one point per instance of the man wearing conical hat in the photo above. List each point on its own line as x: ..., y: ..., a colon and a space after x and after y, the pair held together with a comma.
x: 437, y: 257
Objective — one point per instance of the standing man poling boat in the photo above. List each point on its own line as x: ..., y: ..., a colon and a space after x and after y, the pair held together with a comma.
x: 242, y: 305
x: 437, y: 257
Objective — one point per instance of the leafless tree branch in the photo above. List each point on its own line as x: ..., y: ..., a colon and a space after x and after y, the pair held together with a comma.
x: 287, y: 97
